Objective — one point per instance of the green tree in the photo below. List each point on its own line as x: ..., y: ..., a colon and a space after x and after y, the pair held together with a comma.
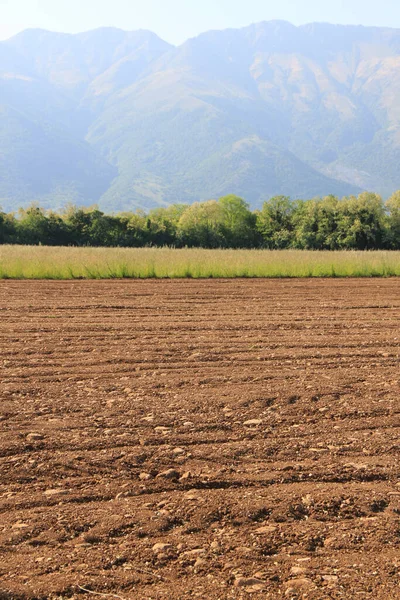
x: 138, y: 233
x: 8, y: 229
x: 315, y: 224
x: 362, y: 223
x: 163, y: 224
x: 105, y: 230
x: 34, y: 226
x: 78, y: 221
x: 393, y: 208
x: 201, y: 225
x: 275, y: 222
x: 238, y: 222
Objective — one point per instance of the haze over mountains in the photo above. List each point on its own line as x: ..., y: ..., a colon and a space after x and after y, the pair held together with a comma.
x: 126, y: 120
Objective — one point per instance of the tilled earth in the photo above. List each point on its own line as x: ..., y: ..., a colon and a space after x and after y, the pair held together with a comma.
x: 207, y: 439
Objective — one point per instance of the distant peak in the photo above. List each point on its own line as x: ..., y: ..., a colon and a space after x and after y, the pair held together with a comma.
x: 274, y: 24
x: 35, y: 31
x: 100, y: 31
x: 324, y: 25
x: 280, y: 22
x: 33, y: 34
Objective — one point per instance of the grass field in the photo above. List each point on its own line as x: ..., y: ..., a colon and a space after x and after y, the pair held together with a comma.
x: 39, y: 262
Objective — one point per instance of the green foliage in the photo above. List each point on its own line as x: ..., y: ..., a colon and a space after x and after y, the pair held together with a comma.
x: 8, y: 228
x: 238, y: 222
x: 275, y: 222
x: 35, y: 227
x: 361, y: 222
x: 201, y: 225
x: 393, y: 207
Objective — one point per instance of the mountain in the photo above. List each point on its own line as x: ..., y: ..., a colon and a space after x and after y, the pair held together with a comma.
x: 126, y: 120
x: 44, y: 78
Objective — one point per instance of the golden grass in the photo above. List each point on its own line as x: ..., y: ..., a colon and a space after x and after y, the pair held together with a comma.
x: 40, y: 262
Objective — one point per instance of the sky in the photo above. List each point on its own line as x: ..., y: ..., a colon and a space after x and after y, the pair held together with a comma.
x: 177, y: 20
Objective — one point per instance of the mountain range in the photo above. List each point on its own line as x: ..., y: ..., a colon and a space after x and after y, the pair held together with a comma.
x: 126, y: 120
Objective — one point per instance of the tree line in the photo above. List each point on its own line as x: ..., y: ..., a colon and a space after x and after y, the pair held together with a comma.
x: 361, y: 222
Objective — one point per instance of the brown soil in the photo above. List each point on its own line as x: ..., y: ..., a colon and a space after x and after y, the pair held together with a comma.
x: 249, y: 428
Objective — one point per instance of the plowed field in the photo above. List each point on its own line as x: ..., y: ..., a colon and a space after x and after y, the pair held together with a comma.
x: 205, y: 439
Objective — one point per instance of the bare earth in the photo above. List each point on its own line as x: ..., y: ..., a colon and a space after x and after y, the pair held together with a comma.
x: 207, y: 439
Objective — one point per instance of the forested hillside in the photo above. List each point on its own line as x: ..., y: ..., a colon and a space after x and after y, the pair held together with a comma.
x: 128, y: 121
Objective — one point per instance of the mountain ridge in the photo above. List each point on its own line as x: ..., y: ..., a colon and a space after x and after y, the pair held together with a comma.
x: 263, y: 110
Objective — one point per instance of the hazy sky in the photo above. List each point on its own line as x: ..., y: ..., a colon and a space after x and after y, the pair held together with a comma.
x: 177, y: 20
